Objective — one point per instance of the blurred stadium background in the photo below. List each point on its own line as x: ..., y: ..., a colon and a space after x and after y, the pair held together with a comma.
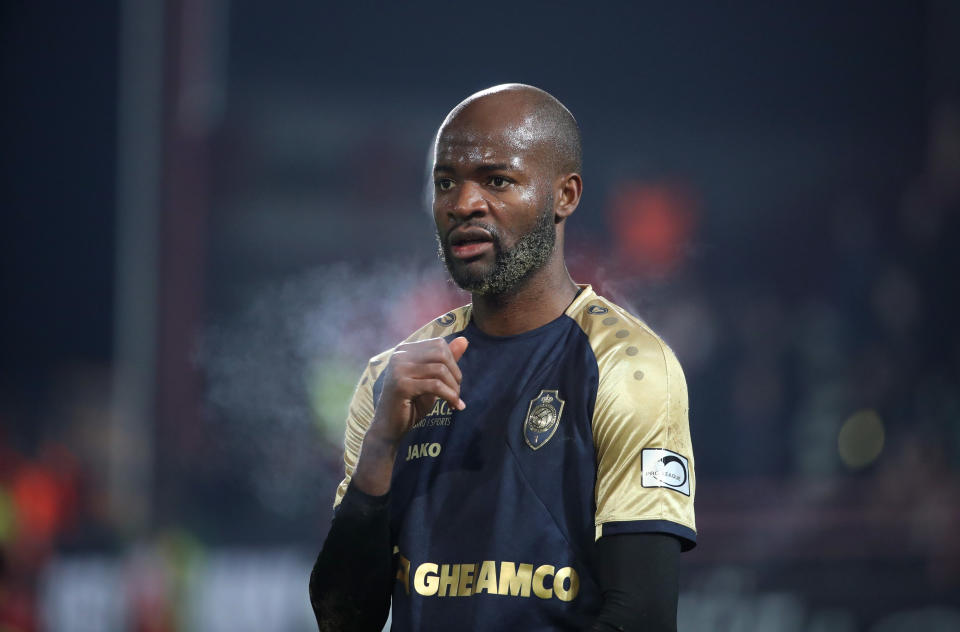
x: 213, y: 214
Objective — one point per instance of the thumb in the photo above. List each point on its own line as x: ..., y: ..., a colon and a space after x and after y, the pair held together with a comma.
x: 457, y: 346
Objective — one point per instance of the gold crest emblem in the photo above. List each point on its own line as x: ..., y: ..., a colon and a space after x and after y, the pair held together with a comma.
x: 543, y: 417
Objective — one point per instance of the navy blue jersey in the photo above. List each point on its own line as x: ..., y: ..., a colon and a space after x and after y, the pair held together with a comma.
x: 573, y: 430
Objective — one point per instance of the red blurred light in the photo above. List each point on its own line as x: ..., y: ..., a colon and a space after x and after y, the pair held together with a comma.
x: 652, y: 225
x: 36, y: 495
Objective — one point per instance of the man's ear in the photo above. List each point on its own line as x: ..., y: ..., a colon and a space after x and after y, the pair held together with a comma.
x: 569, y: 189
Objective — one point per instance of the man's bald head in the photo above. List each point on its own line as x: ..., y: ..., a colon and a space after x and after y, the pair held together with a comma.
x: 506, y: 174
x: 533, y: 115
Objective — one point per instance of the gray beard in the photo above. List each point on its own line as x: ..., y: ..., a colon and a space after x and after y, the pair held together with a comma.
x: 510, y: 267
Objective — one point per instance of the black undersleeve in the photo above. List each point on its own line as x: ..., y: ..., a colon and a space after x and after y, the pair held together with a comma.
x: 352, y: 579
x: 638, y: 577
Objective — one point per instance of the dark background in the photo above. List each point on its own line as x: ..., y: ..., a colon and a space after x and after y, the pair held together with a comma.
x: 213, y: 214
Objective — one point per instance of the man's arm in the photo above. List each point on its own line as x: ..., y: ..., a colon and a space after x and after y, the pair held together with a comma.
x: 352, y: 578
x: 646, y: 484
x: 419, y: 373
x: 638, y: 578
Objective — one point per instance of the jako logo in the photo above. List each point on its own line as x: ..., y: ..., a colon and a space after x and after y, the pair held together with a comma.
x: 420, y: 450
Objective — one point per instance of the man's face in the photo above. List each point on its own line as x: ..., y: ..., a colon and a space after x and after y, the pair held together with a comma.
x: 492, y: 202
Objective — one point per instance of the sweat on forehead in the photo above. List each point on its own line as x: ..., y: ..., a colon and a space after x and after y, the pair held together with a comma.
x: 521, y: 116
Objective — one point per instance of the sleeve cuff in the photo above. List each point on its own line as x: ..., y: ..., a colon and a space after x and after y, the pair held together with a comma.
x: 686, y: 535
x: 356, y: 501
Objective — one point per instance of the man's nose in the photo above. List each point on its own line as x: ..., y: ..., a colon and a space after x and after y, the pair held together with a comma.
x: 469, y: 201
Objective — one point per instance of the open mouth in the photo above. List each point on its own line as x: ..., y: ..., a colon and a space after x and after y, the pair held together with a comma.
x: 469, y: 242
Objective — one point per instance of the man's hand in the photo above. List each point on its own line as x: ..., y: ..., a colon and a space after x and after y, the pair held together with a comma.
x: 418, y: 374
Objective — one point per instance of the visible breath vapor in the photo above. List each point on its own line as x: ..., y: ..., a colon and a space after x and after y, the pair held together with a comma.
x: 287, y: 364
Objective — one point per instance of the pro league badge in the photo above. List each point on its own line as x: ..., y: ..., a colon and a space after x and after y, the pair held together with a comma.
x: 543, y: 417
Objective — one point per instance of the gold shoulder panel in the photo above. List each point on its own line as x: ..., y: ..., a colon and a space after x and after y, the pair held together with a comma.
x: 640, y: 416
x: 362, y: 406
x: 450, y: 323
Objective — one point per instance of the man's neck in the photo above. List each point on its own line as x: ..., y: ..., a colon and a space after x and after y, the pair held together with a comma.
x: 543, y: 298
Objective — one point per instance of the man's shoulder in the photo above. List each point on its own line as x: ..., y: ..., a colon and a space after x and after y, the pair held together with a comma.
x: 444, y: 325
x: 454, y: 321
x: 619, y: 338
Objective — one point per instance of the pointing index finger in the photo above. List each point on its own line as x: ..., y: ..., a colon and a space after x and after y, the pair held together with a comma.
x: 451, y: 353
x: 457, y: 346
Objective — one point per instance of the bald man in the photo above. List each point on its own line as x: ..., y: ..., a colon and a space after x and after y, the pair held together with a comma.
x: 522, y: 462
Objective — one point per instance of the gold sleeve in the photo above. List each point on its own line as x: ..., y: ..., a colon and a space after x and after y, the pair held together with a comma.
x: 359, y: 416
x: 645, y: 468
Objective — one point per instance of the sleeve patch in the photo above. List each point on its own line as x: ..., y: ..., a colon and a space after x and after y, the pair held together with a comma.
x: 664, y: 468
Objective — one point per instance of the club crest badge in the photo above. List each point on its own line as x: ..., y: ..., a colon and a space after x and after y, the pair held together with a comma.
x: 543, y: 417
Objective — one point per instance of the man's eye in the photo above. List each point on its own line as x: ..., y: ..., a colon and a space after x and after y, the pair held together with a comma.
x: 444, y: 184
x: 499, y: 182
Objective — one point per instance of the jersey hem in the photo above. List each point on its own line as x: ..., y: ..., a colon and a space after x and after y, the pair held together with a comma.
x: 687, y: 536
